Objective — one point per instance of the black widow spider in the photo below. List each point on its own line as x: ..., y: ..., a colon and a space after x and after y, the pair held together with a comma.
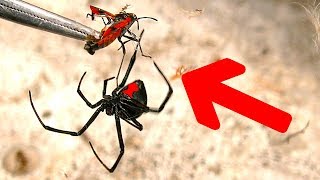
x: 126, y: 102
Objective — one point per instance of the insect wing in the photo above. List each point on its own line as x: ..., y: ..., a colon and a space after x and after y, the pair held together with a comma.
x: 100, y: 12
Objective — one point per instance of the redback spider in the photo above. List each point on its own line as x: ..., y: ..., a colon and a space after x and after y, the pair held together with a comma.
x: 127, y: 102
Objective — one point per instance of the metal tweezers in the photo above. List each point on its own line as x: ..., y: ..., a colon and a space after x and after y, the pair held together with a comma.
x: 27, y: 14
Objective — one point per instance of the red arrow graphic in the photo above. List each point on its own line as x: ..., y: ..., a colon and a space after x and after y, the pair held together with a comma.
x: 203, y: 86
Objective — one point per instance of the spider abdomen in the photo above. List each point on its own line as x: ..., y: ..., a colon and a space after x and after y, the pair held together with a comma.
x: 133, y: 99
x: 135, y: 91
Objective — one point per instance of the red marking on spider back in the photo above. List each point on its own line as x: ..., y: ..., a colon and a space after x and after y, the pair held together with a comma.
x: 132, y: 88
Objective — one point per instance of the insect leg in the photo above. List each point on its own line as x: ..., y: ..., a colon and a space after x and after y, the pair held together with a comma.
x: 109, y: 20
x: 123, y: 44
x: 92, y: 16
x: 132, y: 34
x: 104, y: 22
x: 137, y: 40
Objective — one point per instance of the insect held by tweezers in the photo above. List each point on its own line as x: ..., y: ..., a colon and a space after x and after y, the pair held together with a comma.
x: 120, y: 24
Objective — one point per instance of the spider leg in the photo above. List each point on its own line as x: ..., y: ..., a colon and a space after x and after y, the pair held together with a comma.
x: 84, y: 98
x: 105, y: 82
x: 130, y: 66
x: 125, y: 78
x: 72, y: 133
x: 134, y: 122
x: 162, y: 105
x: 121, y: 144
x: 123, y: 44
x: 148, y: 109
x: 135, y: 106
x: 169, y: 93
x: 133, y: 38
x: 137, y: 40
x: 123, y: 52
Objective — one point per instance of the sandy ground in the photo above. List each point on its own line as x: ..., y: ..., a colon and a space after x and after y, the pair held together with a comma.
x: 273, y: 39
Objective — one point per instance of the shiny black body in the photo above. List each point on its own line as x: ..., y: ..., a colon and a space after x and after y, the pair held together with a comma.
x: 126, y: 102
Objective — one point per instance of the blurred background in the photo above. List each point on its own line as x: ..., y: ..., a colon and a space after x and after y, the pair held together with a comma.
x: 276, y: 41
